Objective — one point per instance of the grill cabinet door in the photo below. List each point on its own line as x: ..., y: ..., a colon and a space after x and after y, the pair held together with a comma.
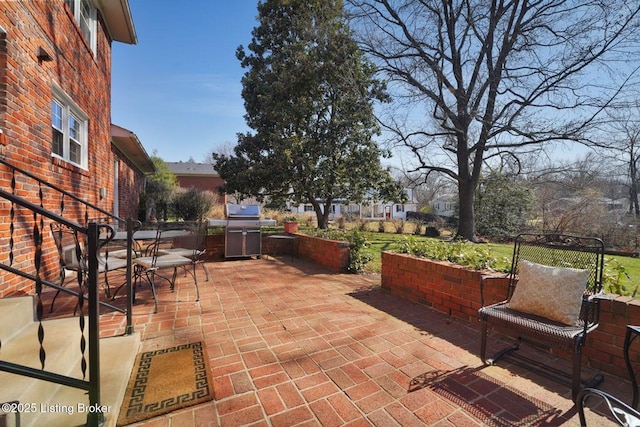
x: 253, y: 242
x: 233, y: 242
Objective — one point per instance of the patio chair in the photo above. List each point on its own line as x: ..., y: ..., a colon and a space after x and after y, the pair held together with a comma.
x: 623, y: 414
x: 156, y: 260
x: 192, y: 246
x: 551, y: 302
x: 73, y: 257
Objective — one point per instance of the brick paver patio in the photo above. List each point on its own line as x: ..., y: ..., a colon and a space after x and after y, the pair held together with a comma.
x: 293, y: 344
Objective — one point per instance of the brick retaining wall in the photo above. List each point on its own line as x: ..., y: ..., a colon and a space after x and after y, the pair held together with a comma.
x: 455, y: 290
x: 331, y: 254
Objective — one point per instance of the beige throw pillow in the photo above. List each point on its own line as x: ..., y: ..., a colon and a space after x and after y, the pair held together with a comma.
x: 552, y: 292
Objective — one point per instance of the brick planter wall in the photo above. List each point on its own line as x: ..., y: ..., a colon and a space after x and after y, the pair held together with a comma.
x: 455, y: 290
x: 331, y: 254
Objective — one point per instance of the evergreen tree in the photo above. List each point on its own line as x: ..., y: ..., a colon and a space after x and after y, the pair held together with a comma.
x: 309, y: 95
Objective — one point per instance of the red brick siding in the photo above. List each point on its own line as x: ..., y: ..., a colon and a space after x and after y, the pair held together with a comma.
x: 25, y: 116
x: 455, y: 290
x: 130, y: 185
x: 210, y: 183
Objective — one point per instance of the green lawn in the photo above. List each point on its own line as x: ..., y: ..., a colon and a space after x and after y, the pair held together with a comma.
x: 379, y: 242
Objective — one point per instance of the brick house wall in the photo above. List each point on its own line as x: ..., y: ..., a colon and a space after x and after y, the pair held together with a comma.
x: 132, y: 166
x: 208, y: 183
x: 27, y: 84
x: 131, y: 184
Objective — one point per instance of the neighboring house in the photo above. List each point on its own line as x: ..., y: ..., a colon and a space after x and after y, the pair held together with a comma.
x: 198, y: 175
x: 55, y: 111
x: 445, y: 205
x: 370, y: 211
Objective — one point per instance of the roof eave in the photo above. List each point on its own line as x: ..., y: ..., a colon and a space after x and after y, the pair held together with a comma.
x: 117, y: 16
x: 129, y: 145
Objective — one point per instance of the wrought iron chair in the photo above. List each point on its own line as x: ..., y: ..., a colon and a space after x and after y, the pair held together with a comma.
x: 548, y: 259
x: 72, y: 257
x: 624, y: 414
x: 192, y: 246
x: 156, y: 259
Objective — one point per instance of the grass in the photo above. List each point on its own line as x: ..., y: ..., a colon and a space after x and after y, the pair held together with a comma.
x: 628, y: 267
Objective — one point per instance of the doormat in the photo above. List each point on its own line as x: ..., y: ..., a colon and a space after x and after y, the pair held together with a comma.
x: 166, y: 380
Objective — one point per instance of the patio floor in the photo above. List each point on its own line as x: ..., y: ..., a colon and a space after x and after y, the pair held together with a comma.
x: 291, y: 343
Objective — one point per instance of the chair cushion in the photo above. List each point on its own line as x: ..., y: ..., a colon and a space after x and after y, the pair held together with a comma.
x: 552, y: 292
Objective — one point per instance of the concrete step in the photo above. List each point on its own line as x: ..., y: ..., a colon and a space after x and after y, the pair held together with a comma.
x: 117, y: 356
x: 52, y: 404
x: 20, y: 311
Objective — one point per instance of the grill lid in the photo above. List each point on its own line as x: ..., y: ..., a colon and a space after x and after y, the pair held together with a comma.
x: 242, y: 211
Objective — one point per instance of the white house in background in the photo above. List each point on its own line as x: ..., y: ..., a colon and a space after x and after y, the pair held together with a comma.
x: 371, y: 210
x: 445, y: 205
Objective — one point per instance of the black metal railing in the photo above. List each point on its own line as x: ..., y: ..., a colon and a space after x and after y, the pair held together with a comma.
x: 69, y: 205
x: 31, y: 200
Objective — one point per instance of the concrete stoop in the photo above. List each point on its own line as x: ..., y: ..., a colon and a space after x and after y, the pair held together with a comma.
x: 44, y: 403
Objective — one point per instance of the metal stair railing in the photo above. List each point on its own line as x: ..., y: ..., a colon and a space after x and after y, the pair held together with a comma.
x: 63, y: 198
x: 90, y: 282
x: 26, y: 226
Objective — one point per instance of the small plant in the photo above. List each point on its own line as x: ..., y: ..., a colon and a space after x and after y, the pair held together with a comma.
x: 362, y: 225
x: 357, y: 259
x: 418, y: 227
x: 611, y: 277
x: 381, y: 227
x: 309, y: 220
x: 357, y: 243
x: 398, y: 224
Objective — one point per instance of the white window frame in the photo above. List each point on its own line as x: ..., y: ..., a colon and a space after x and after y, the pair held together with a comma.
x: 71, y: 113
x: 88, y: 22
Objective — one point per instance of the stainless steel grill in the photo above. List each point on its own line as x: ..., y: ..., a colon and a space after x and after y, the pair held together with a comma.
x: 243, y: 235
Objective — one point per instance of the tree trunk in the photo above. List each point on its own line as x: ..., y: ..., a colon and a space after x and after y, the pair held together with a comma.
x: 466, y: 220
x: 321, y: 217
x: 633, y: 191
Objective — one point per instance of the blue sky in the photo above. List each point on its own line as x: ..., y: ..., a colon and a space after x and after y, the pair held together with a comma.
x: 179, y: 88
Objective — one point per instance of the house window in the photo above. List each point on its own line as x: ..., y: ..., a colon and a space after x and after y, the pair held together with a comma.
x: 399, y: 208
x: 68, y: 130
x: 85, y: 13
x: 308, y: 208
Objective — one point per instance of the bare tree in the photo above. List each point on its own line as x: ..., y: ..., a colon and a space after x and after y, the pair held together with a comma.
x: 496, y: 77
x: 621, y: 139
x: 575, y: 196
x: 425, y: 187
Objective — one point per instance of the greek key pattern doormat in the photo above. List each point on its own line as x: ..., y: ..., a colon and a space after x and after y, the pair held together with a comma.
x: 165, y: 380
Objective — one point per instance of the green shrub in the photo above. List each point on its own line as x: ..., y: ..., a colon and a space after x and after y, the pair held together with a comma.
x: 192, y: 204
x: 471, y: 255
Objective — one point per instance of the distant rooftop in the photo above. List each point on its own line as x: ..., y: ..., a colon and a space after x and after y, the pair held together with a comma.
x: 189, y: 168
